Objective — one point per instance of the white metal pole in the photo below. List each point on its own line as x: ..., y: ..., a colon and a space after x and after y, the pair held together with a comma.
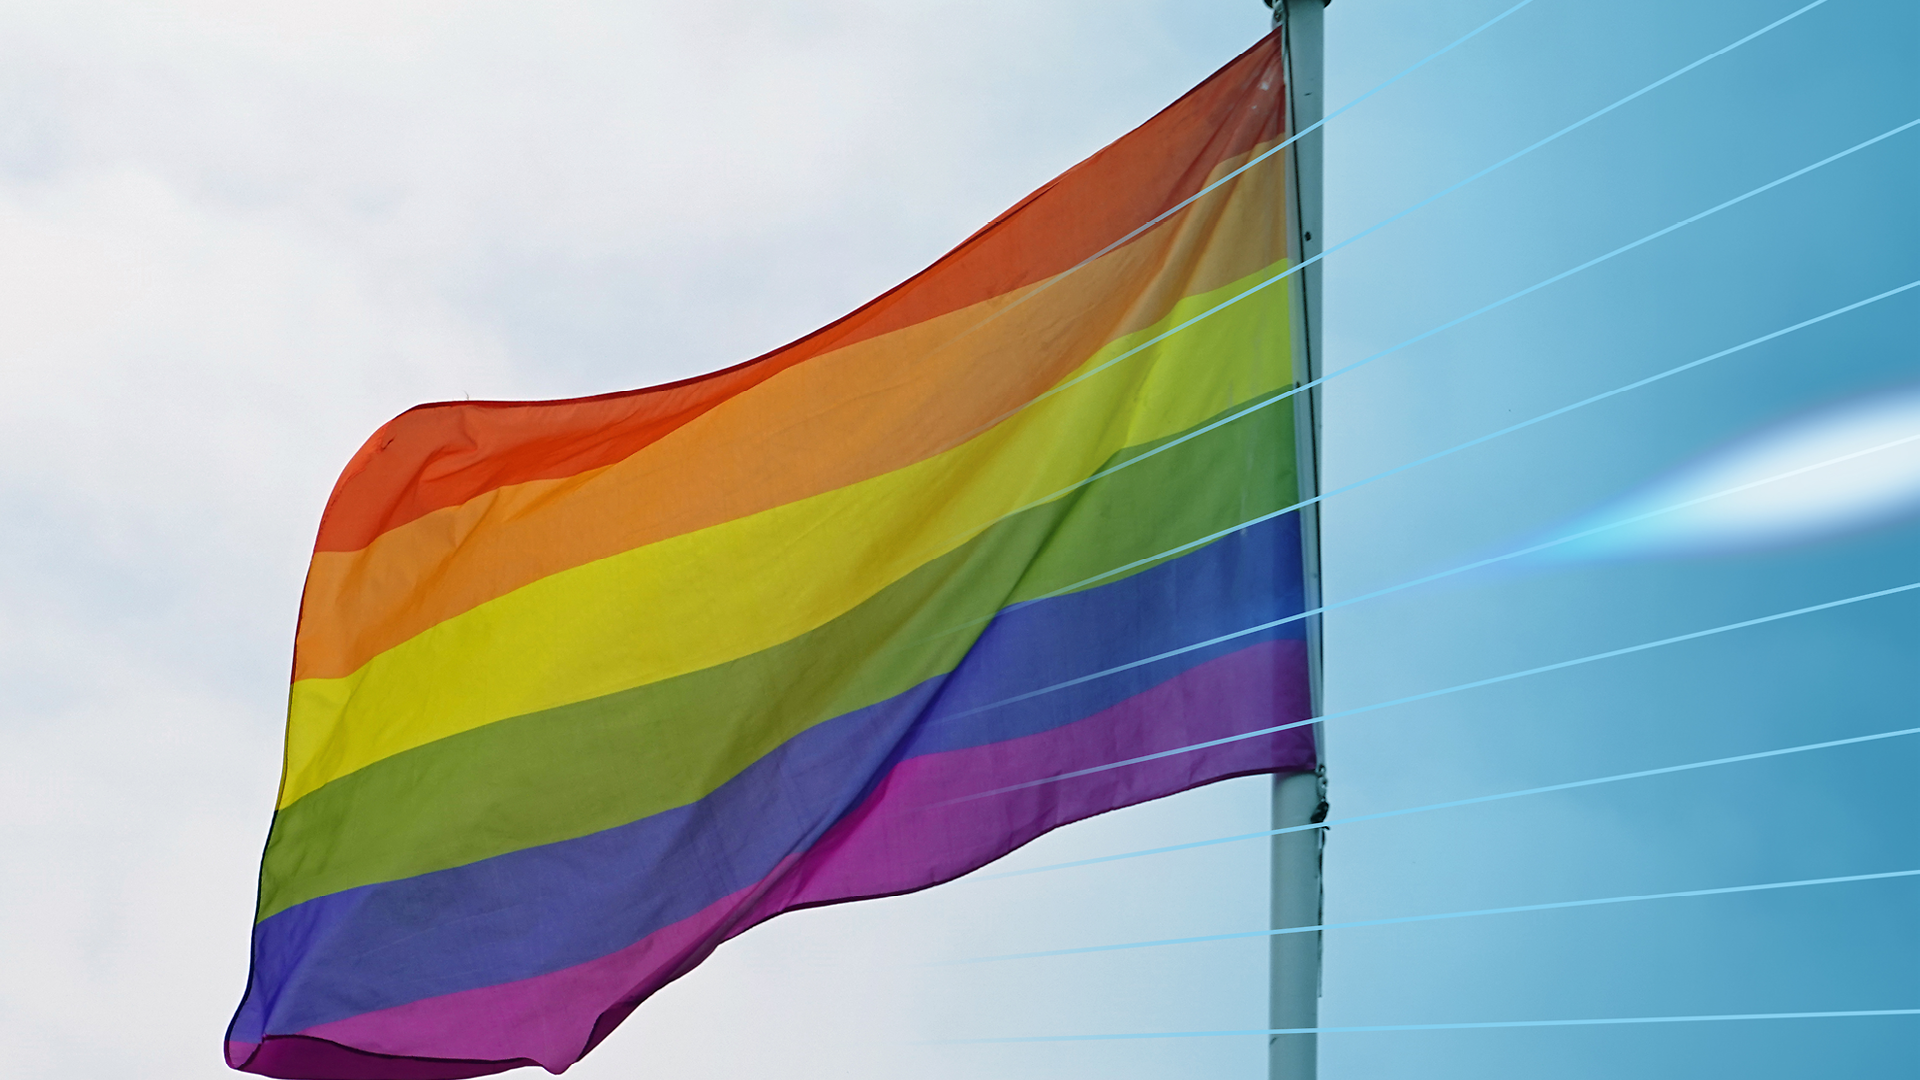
x: 1298, y: 799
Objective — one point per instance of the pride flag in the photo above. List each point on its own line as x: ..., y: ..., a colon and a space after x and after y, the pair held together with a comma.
x: 584, y: 688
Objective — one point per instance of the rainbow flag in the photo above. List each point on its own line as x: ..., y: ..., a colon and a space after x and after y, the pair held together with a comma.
x: 584, y: 688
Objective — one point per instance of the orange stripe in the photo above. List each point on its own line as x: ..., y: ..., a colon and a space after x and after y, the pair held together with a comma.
x: 845, y: 417
x: 444, y: 455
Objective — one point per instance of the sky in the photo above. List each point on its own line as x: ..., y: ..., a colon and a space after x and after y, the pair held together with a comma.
x: 236, y: 238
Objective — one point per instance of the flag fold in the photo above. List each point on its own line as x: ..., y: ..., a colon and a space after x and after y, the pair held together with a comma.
x: 584, y: 688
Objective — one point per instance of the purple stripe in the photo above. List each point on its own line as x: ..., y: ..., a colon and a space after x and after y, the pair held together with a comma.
x: 905, y: 836
x: 909, y: 834
x: 301, y: 1058
x: 549, y: 907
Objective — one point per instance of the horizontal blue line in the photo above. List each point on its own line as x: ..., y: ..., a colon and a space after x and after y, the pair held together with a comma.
x: 1546, y: 789
x: 1303, y: 264
x: 1555, y: 906
x: 1829, y: 1015
x: 1410, y: 698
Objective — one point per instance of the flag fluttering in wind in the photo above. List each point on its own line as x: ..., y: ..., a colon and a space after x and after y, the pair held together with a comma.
x: 584, y: 688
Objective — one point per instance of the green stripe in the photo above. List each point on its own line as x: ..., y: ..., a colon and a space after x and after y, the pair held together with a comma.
x: 593, y: 765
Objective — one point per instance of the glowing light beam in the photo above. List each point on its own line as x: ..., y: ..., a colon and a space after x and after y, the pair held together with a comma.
x: 1835, y: 470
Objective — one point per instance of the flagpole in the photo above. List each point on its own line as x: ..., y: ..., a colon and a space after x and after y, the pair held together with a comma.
x: 1300, y: 798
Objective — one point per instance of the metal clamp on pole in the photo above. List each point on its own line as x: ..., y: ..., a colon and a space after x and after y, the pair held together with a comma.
x: 1301, y: 798
x: 1279, y: 14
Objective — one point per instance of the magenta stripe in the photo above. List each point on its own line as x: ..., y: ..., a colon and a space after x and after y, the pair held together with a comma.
x: 905, y: 836
x: 300, y: 1058
x: 908, y: 834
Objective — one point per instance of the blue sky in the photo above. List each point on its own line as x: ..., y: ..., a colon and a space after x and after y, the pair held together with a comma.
x: 232, y: 241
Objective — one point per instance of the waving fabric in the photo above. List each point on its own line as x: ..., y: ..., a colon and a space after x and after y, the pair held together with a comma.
x: 584, y: 688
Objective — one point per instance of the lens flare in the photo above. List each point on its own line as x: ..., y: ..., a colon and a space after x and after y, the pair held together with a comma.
x: 1829, y: 472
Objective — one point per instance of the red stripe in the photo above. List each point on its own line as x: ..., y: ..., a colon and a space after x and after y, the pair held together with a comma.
x: 440, y: 455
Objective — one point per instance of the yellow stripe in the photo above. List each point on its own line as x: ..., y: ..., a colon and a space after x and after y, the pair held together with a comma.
x: 703, y: 598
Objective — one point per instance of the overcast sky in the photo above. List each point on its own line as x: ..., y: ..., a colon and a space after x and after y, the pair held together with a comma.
x: 235, y: 238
